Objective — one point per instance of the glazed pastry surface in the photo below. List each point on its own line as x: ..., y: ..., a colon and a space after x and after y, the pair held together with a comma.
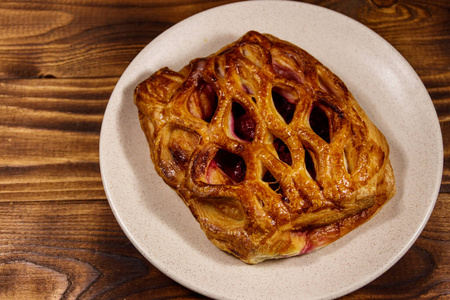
x: 267, y: 148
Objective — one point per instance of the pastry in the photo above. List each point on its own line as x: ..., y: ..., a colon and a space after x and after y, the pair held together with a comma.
x: 267, y: 148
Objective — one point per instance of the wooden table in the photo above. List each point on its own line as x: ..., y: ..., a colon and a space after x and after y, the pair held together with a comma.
x: 59, y: 62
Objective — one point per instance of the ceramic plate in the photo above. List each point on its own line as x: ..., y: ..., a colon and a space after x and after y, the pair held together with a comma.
x: 162, y: 228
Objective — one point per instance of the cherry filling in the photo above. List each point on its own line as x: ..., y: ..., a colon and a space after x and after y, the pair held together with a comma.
x: 231, y: 164
x: 283, y: 151
x: 243, y: 125
x: 274, y: 185
x: 309, y: 164
x: 318, y: 121
x: 208, y: 101
x: 285, y: 108
x: 286, y: 72
x: 203, y: 102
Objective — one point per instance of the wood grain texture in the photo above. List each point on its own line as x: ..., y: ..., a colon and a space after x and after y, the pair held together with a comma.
x: 76, y: 249
x: 49, y: 138
x: 59, y: 62
x: 72, y: 250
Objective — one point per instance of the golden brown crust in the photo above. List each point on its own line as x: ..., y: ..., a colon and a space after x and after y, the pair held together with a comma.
x: 267, y: 148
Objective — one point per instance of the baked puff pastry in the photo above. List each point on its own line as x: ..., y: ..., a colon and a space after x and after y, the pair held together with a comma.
x: 267, y: 147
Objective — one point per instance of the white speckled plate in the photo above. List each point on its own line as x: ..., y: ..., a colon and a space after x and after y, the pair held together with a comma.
x: 162, y: 228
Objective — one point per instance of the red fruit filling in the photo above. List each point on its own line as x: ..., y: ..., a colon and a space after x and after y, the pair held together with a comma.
x: 203, y: 101
x: 208, y: 101
x: 274, y: 185
x: 231, y: 164
x: 283, y: 151
x: 286, y: 72
x: 243, y: 125
x: 246, y: 88
x: 309, y: 164
x: 285, y: 108
x: 318, y: 121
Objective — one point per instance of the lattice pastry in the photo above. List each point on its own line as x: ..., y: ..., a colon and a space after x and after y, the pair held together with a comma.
x: 267, y: 148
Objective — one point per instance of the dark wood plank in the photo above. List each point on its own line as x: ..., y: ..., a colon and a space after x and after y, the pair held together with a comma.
x: 49, y: 132
x: 82, y: 38
x: 77, y: 249
x: 73, y: 249
x: 59, y: 63
x: 90, y: 40
x: 65, y: 105
x: 424, y: 271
